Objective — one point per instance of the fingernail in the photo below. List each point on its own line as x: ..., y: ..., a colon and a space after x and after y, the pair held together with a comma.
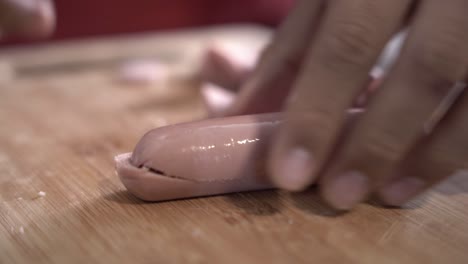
x: 294, y: 170
x: 347, y: 190
x: 216, y: 99
x: 45, y: 19
x: 23, y: 4
x: 400, y: 191
x: 32, y: 18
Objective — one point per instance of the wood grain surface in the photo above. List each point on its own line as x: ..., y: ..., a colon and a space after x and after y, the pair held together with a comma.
x: 64, y: 118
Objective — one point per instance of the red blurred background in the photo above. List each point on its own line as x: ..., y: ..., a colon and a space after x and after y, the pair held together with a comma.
x: 85, y: 18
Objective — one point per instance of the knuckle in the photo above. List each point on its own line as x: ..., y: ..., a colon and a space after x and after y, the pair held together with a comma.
x: 350, y: 44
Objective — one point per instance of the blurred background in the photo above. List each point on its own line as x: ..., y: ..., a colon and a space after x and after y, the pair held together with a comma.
x: 87, y: 18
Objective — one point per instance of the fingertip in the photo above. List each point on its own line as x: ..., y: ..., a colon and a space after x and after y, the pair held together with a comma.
x: 291, y: 167
x: 216, y: 99
x: 401, y: 191
x: 346, y: 190
x: 227, y: 64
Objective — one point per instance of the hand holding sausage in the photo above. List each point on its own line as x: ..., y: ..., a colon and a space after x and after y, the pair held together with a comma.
x: 411, y: 136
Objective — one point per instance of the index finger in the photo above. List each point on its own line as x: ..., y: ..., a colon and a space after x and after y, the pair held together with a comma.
x: 348, y: 44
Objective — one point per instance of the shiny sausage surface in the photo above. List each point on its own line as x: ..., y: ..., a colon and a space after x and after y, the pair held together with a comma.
x: 200, y: 158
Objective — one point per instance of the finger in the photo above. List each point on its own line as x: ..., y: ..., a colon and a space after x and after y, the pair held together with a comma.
x: 280, y: 61
x: 444, y: 154
x: 218, y: 99
x: 29, y: 18
x: 349, y: 42
x: 433, y: 59
x: 389, y: 55
x: 228, y: 65
x: 222, y: 75
x: 383, y: 66
x: 365, y: 96
x: 215, y: 98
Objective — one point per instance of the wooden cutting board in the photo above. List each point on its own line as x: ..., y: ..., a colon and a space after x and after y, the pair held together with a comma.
x: 66, y: 115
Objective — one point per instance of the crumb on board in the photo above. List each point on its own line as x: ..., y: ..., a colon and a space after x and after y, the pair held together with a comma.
x: 21, y: 229
x: 40, y: 194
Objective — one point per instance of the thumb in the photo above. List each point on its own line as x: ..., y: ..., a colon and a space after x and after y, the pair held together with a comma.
x: 27, y: 18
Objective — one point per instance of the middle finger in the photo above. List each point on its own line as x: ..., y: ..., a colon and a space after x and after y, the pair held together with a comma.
x: 348, y: 44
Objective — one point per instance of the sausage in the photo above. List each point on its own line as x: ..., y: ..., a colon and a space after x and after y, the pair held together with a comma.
x: 202, y: 158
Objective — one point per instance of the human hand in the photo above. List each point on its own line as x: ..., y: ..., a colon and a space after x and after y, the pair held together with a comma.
x: 317, y: 66
x: 26, y: 18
